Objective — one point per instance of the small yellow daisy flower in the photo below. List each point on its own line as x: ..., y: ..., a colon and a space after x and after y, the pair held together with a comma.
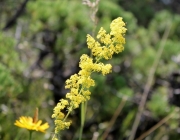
x: 32, y: 123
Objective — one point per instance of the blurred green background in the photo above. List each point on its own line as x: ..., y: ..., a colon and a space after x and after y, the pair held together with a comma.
x: 40, y: 45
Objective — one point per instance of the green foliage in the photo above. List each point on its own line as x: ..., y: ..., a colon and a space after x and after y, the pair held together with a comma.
x: 158, y: 105
x: 8, y: 54
x: 10, y: 86
x: 19, y: 95
x: 125, y: 93
x: 126, y: 124
x: 58, y: 17
x: 9, y: 65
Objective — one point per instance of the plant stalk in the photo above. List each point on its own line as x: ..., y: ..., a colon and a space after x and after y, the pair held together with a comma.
x: 149, y: 83
x: 154, y: 127
x: 30, y: 135
x: 83, y: 108
x: 114, y: 117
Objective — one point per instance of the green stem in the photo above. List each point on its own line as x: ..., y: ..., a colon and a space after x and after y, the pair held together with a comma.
x: 71, y: 108
x: 66, y: 116
x: 82, y: 120
x: 85, y: 108
x: 30, y: 135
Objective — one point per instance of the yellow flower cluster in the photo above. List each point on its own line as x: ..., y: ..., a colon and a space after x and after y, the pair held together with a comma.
x: 109, y: 43
x: 79, y: 84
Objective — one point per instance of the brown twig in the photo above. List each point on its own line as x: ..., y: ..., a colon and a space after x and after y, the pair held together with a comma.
x: 155, y: 127
x: 113, y: 119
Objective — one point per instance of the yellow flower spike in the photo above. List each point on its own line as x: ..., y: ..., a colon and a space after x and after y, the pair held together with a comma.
x: 30, y: 123
x: 79, y: 84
